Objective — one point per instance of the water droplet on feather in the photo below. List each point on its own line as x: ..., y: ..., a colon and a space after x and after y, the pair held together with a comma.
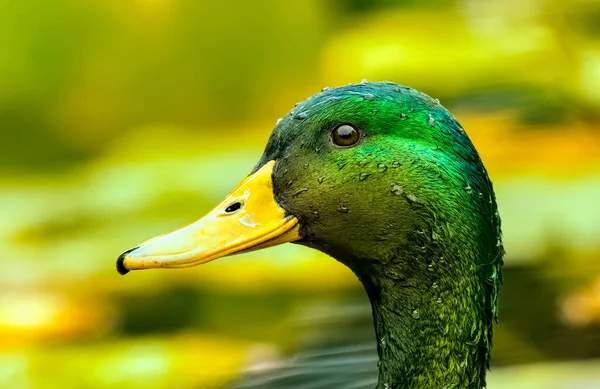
x: 381, y: 168
x: 321, y: 179
x: 343, y: 209
x: 396, y: 189
x: 301, y: 116
x: 395, y: 164
x: 403, y: 116
x: 411, y: 198
x: 363, y: 176
x: 300, y: 191
x: 416, y: 314
x: 431, y: 121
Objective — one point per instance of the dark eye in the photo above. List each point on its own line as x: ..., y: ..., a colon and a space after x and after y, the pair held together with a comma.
x: 233, y: 207
x: 345, y: 135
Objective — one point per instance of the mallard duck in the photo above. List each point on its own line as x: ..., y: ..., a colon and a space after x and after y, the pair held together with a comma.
x: 382, y: 178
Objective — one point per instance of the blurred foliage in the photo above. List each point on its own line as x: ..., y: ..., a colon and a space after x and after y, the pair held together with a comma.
x: 120, y: 120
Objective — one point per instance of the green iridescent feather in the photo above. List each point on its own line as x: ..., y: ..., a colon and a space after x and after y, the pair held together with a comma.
x: 411, y: 210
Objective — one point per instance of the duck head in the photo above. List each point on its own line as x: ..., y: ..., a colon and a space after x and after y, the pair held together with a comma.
x: 384, y: 179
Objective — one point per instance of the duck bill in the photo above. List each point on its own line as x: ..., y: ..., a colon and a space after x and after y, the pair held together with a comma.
x: 248, y: 219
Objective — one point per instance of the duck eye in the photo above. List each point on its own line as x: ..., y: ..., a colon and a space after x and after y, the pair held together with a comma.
x: 345, y: 135
x: 233, y: 207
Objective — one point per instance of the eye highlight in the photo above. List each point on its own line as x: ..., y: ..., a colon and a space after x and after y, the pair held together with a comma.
x: 345, y: 135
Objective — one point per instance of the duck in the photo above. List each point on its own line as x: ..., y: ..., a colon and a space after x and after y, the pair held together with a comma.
x: 382, y: 178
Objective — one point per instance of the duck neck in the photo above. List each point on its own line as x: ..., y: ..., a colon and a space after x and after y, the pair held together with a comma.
x: 431, y: 327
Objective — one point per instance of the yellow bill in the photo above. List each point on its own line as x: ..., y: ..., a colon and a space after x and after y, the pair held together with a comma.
x: 248, y: 219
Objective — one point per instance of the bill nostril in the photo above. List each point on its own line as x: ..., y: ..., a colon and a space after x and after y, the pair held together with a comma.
x: 233, y: 207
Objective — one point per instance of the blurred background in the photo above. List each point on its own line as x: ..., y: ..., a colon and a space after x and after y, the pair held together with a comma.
x: 121, y: 120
